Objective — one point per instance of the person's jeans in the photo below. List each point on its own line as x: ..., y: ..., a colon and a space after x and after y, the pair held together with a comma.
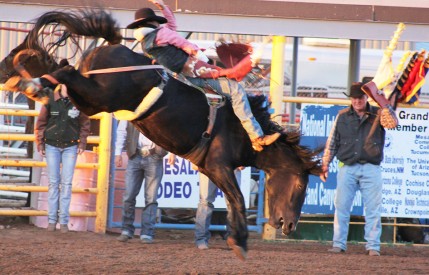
x: 240, y: 104
x: 366, y: 178
x: 205, y: 208
x: 60, y: 197
x: 150, y: 170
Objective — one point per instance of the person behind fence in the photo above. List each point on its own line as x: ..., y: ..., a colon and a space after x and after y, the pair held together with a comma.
x: 168, y: 48
x: 357, y: 140
x: 61, y: 132
x: 145, y: 163
x: 203, y: 217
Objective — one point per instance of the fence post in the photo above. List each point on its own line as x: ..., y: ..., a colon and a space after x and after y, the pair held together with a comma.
x: 276, y: 94
x: 103, y: 172
x: 277, y: 77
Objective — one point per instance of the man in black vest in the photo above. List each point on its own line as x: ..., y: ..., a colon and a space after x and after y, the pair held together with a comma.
x: 357, y: 139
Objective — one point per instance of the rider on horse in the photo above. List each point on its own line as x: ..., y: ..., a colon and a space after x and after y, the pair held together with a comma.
x: 168, y: 48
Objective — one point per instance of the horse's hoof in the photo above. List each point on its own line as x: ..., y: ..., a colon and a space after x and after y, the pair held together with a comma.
x: 238, y: 250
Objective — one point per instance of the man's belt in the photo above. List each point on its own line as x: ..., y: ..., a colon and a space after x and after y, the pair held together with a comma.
x: 145, y: 152
x: 365, y: 161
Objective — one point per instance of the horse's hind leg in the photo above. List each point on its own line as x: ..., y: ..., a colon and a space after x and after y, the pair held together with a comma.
x: 227, y: 182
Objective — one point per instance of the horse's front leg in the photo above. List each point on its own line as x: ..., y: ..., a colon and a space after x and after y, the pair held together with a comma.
x: 237, y: 240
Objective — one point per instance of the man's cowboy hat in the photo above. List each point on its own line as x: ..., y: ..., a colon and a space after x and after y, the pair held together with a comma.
x: 356, y: 90
x: 145, y: 15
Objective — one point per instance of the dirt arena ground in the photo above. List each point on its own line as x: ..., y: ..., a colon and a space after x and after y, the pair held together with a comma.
x: 26, y: 249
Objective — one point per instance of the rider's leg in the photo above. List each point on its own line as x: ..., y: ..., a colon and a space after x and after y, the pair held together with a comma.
x: 241, y: 108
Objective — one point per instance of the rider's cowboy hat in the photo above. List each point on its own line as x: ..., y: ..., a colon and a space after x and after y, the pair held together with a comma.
x: 143, y: 16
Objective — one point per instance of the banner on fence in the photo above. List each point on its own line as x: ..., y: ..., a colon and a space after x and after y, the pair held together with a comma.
x: 180, y: 187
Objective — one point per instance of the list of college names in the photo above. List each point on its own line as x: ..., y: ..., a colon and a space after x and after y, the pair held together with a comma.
x: 405, y: 167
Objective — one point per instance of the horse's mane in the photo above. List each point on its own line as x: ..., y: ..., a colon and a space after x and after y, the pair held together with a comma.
x: 260, y: 109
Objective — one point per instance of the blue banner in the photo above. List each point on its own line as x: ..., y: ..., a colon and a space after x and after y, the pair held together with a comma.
x: 316, y: 124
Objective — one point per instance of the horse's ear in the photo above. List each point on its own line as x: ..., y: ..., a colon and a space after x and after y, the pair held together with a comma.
x: 63, y: 63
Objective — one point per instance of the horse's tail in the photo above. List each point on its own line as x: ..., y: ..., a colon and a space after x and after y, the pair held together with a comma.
x: 96, y: 23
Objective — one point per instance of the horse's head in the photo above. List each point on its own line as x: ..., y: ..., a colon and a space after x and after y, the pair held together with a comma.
x: 36, y: 62
x: 286, y: 193
x: 287, y: 180
x: 30, y: 87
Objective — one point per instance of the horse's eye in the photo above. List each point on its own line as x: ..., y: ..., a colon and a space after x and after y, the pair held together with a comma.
x: 301, y: 186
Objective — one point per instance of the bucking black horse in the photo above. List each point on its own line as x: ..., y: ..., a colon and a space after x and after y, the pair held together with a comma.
x: 177, y: 121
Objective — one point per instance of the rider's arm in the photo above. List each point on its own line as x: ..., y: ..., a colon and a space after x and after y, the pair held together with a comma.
x: 167, y: 13
x: 168, y: 34
x: 171, y: 20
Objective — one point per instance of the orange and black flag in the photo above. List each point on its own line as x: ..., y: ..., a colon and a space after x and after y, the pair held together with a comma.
x: 404, y: 77
x: 411, y: 89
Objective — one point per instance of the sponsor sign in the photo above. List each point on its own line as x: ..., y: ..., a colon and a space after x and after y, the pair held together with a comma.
x: 180, y: 187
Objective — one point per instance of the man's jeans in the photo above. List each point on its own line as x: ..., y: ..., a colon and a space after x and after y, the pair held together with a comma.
x: 208, y: 192
x: 60, y: 197
x: 205, y: 210
x: 240, y: 104
x: 366, y: 178
x: 150, y: 170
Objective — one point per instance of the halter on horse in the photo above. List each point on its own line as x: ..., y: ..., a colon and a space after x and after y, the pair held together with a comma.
x: 177, y: 120
x: 38, y: 63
